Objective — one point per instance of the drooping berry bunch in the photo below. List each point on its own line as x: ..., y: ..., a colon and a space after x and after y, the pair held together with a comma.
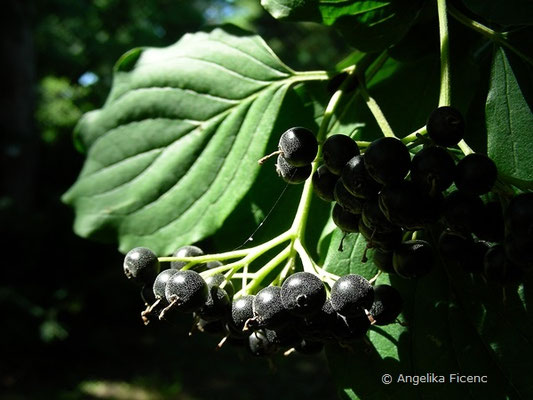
x: 297, y: 315
x: 391, y: 199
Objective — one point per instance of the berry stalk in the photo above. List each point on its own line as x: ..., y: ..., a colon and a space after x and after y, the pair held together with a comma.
x: 444, y: 96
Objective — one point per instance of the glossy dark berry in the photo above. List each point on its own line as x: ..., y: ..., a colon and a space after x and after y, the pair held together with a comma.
x: 455, y: 246
x: 386, y: 240
x: 446, y: 126
x: 268, y: 308
x: 519, y: 215
x: 347, y: 200
x: 350, y: 294
x: 356, y: 179
x: 291, y: 174
x: 337, y: 150
x: 374, y: 218
x: 187, y: 289
x: 141, y: 265
x: 387, y: 160
x: 499, y: 269
x: 220, y: 280
x: 344, y: 219
x: 188, y: 251
x: 408, y: 205
x: 324, y: 183
x: 383, y: 260
x: 413, y: 258
x: 298, y: 146
x: 260, y: 345
x: 303, y: 293
x: 217, y: 306
x: 433, y: 168
x: 241, y: 312
x: 475, y: 174
x: 462, y: 212
x: 160, y: 282
x: 387, y: 305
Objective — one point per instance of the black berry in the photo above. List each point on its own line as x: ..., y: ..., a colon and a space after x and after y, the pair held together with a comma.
x: 241, y: 312
x: 291, y: 174
x: 303, y: 293
x: 188, y: 251
x: 337, y: 151
x: 324, y: 183
x: 187, y: 290
x: 357, y: 180
x: 413, y: 258
x: 344, y: 219
x: 387, y: 305
x: 475, y: 174
x: 383, y: 260
x: 346, y: 199
x: 141, y: 265
x: 387, y: 160
x: 446, y: 126
x: 433, y: 167
x: 268, y: 308
x: 298, y: 146
x: 408, y: 205
x: 350, y: 294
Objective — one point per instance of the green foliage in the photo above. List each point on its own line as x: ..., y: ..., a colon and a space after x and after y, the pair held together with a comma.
x: 366, y: 25
x: 509, y: 119
x: 171, y: 160
x: 179, y: 132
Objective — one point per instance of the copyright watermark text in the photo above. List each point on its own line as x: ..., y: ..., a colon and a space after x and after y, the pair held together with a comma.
x: 431, y: 377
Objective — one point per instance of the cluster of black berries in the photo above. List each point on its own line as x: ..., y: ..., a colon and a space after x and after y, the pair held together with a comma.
x: 297, y: 315
x: 384, y: 194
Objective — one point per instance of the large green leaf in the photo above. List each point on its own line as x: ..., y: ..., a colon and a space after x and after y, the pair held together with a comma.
x: 367, y: 25
x: 175, y: 147
x: 509, y: 120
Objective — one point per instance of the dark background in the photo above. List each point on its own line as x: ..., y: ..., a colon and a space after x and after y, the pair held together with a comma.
x: 71, y: 322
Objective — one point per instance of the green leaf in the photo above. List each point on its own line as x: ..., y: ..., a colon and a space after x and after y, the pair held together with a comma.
x: 509, y: 119
x: 348, y: 260
x: 175, y: 147
x: 503, y: 12
x: 367, y: 25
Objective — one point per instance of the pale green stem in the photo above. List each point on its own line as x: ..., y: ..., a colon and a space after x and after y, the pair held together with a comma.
x: 465, y: 148
x: 444, y: 96
x: 491, y: 34
x: 375, y: 109
x: 413, y: 136
x: 264, y: 271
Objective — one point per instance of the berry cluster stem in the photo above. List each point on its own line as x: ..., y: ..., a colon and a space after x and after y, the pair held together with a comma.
x: 444, y: 96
